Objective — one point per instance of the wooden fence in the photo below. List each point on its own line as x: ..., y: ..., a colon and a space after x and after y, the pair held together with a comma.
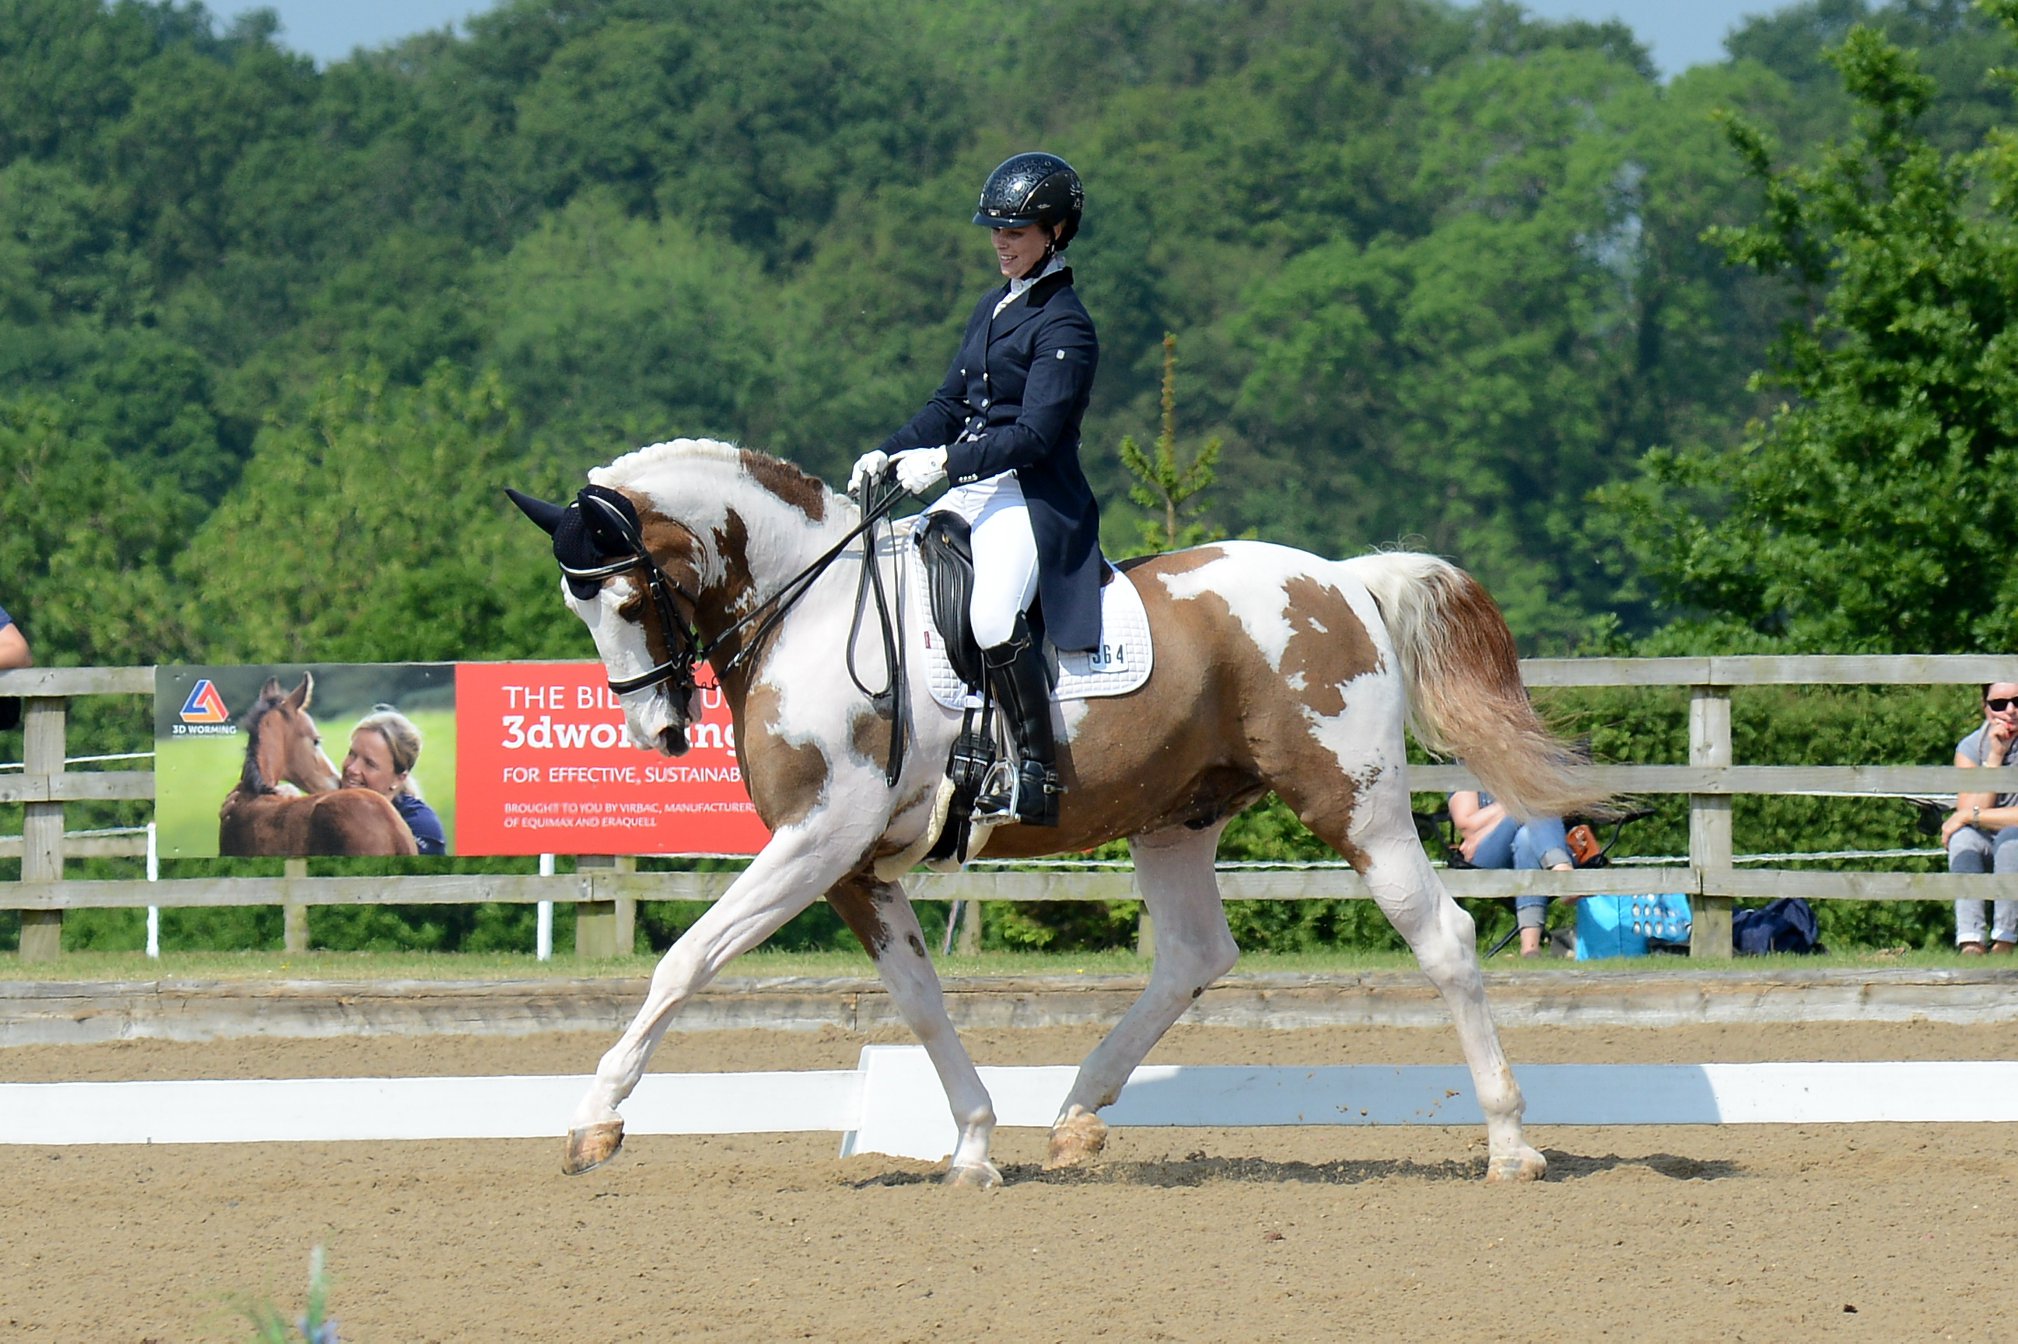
x: 606, y: 889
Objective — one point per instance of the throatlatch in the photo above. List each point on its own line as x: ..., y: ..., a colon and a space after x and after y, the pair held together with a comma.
x: 1028, y: 790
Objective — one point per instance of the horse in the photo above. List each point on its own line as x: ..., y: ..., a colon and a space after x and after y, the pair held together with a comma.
x: 1273, y: 669
x: 283, y: 745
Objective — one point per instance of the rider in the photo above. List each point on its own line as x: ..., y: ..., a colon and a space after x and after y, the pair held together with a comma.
x: 1004, y: 425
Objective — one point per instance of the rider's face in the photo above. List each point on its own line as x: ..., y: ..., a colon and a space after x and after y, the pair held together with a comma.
x: 1019, y: 250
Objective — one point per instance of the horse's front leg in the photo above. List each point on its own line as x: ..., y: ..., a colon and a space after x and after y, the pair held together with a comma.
x: 882, y: 917
x: 798, y: 864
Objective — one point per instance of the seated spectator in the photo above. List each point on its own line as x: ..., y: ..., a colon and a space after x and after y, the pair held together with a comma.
x: 384, y: 748
x: 1982, y: 835
x: 1489, y: 838
x: 14, y: 652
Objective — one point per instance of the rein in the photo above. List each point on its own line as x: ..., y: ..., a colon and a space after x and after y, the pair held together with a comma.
x: 690, y: 646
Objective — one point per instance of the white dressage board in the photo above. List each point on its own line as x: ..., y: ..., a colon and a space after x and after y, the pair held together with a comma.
x: 891, y: 1102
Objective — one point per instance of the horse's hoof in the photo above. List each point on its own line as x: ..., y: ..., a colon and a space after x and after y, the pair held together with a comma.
x: 1521, y: 1166
x: 591, y: 1147
x: 981, y: 1177
x: 1076, y: 1140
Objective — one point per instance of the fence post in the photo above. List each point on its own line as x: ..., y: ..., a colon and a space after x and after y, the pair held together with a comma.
x: 42, y: 726
x: 1710, y: 824
x: 294, y: 912
x: 605, y: 928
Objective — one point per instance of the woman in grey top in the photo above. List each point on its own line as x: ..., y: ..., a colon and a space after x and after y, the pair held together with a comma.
x: 1982, y: 835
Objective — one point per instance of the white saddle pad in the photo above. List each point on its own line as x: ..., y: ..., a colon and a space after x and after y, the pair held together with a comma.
x: 1121, y: 663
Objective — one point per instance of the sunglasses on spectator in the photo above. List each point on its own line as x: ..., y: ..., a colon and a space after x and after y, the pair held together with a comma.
x: 2001, y: 703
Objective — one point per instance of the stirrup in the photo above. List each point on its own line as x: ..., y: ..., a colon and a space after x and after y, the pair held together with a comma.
x: 1027, y: 794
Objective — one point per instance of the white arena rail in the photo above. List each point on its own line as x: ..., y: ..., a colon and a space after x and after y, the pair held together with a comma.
x: 891, y: 1102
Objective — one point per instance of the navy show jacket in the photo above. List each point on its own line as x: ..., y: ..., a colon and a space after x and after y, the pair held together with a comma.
x: 1017, y: 391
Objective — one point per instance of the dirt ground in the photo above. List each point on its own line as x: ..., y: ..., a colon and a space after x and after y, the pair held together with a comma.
x: 1861, y: 1232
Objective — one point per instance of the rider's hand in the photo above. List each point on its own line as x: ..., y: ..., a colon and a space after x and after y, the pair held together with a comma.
x: 921, y: 468
x: 868, y: 467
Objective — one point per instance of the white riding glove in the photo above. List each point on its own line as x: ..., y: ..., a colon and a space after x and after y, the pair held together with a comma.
x: 921, y: 468
x: 868, y: 467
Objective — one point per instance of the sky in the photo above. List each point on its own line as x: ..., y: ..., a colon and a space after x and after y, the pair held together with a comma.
x: 1678, y: 34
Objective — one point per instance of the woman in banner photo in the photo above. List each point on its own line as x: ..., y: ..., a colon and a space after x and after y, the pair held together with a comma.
x: 1004, y: 427
x: 384, y: 749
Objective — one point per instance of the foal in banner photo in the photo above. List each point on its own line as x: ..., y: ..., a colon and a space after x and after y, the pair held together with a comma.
x: 283, y: 746
x: 1273, y: 669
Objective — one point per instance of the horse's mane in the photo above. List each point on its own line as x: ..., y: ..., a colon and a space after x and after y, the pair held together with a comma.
x: 249, y: 778
x: 781, y: 478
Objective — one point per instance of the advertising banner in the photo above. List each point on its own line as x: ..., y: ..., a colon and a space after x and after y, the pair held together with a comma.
x: 472, y: 758
x: 545, y: 769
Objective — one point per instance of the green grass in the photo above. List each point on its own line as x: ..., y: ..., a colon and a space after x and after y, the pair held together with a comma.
x: 114, y: 966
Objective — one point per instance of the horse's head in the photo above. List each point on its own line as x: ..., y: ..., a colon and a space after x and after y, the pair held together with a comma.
x: 283, y: 743
x: 639, y: 611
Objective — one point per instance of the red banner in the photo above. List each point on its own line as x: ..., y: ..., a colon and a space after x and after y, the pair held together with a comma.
x: 543, y: 767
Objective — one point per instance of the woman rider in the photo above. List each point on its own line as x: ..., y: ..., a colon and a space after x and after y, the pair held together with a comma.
x: 1004, y: 428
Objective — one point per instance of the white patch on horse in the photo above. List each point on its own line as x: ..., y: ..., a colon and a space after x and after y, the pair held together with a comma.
x: 1251, y: 587
x: 621, y: 642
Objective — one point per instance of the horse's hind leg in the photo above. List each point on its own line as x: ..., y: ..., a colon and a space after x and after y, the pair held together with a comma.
x: 1444, y: 941
x: 882, y: 918
x: 1174, y: 870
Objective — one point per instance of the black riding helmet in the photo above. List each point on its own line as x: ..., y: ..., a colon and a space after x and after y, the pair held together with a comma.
x: 1033, y: 188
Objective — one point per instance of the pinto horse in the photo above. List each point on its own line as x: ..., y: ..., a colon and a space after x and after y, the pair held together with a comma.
x: 283, y: 745
x: 1273, y: 670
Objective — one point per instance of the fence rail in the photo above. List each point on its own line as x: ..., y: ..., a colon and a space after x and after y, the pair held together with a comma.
x: 607, y: 889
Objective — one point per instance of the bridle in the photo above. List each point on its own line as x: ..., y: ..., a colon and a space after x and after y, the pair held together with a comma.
x: 685, y: 637
x: 689, y: 646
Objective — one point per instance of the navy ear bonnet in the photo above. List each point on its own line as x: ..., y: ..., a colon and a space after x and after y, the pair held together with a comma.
x: 600, y: 526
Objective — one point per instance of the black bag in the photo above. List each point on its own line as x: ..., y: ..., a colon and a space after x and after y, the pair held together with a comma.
x: 1786, y: 925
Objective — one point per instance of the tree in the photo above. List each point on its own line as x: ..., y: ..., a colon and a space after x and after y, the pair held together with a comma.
x: 375, y: 529
x: 1163, y: 485
x: 1868, y: 512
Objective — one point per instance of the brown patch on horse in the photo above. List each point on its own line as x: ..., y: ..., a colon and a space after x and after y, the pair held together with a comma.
x: 788, y: 483
x: 1123, y: 775
x: 1328, y: 645
x: 785, y: 781
x: 858, y: 900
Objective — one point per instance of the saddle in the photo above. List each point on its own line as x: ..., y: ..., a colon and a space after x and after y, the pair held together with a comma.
x: 945, y: 543
x: 953, y: 673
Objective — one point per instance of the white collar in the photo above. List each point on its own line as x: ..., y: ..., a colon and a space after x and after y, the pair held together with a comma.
x: 1017, y: 288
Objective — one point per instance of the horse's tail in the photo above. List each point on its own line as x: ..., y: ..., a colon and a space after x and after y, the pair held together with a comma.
x: 1465, y: 697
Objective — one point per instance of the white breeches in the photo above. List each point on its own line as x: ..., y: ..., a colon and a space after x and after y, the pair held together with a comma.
x: 1005, y: 554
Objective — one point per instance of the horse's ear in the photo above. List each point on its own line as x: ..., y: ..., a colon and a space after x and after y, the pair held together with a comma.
x: 548, y: 516
x: 300, y: 696
x: 271, y: 690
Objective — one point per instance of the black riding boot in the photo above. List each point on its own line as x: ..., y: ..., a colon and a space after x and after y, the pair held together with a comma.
x: 1016, y: 678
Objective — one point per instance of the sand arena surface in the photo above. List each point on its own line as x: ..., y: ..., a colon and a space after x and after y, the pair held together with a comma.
x: 1869, y: 1232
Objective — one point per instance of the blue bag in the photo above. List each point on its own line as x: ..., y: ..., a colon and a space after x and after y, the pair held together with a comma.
x: 1631, y: 926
